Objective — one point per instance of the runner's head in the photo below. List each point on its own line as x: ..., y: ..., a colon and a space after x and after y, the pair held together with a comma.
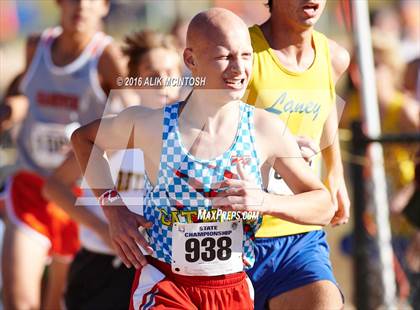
x: 301, y: 14
x: 219, y: 50
x: 83, y: 16
x: 154, y: 55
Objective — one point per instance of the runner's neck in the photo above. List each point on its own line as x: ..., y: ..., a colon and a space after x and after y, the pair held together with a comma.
x: 68, y: 46
x: 295, y: 45
x: 202, y: 109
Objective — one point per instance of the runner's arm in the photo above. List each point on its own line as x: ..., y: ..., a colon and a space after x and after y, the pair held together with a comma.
x: 111, y: 66
x: 89, y: 143
x: 311, y: 203
x: 330, y: 143
x: 340, y: 60
x: 330, y: 148
x: 58, y: 189
x: 14, y: 107
x: 92, y: 140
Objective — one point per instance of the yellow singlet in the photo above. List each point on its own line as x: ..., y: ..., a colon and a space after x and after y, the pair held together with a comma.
x: 301, y: 100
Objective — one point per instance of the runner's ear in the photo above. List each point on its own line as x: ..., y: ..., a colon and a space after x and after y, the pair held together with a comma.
x: 189, y: 59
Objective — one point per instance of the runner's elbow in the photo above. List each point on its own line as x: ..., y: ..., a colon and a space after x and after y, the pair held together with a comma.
x: 328, y: 208
x: 75, y: 136
x: 78, y: 137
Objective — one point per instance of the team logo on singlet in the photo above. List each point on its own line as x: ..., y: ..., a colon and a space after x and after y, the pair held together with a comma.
x: 181, y: 214
x: 243, y: 160
x: 56, y: 100
x: 285, y: 104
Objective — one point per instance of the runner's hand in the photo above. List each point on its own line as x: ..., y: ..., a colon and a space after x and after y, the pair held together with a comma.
x: 341, y: 200
x: 125, y: 235
x: 308, y: 147
x: 241, y: 194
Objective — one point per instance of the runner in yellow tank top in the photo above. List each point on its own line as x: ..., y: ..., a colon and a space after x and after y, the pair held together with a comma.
x: 294, y: 72
x: 301, y: 100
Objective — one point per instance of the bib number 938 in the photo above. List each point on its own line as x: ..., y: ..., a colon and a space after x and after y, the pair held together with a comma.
x: 207, y: 248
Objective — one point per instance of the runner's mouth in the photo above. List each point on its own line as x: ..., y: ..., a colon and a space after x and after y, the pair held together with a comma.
x: 235, y: 83
x: 310, y: 9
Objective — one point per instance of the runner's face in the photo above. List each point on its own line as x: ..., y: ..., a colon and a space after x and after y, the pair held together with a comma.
x: 158, y: 65
x: 226, y: 62
x: 300, y: 13
x: 82, y: 15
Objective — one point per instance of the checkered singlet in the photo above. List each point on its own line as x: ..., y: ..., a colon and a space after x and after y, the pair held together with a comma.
x: 184, y: 182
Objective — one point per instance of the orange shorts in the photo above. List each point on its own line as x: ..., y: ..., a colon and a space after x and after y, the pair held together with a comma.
x: 156, y: 287
x: 29, y: 211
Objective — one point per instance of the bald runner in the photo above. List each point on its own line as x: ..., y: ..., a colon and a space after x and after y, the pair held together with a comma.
x: 188, y: 262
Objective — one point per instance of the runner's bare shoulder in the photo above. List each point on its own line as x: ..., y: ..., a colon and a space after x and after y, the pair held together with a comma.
x: 273, y: 138
x: 268, y: 124
x: 31, y: 44
x: 111, y: 66
x: 147, y: 122
x: 340, y: 59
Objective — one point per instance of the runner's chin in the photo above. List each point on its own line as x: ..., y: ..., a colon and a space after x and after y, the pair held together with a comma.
x: 235, y: 93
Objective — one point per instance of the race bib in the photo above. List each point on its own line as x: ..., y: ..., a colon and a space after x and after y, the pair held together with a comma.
x: 50, y: 143
x: 207, y: 249
x: 276, y: 184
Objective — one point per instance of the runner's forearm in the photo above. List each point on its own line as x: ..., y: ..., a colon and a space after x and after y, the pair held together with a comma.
x: 310, y: 208
x: 63, y: 196
x: 332, y: 159
x: 93, y: 164
x: 330, y: 146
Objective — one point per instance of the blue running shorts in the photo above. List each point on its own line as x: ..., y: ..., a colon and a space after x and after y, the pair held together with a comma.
x: 288, y: 262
